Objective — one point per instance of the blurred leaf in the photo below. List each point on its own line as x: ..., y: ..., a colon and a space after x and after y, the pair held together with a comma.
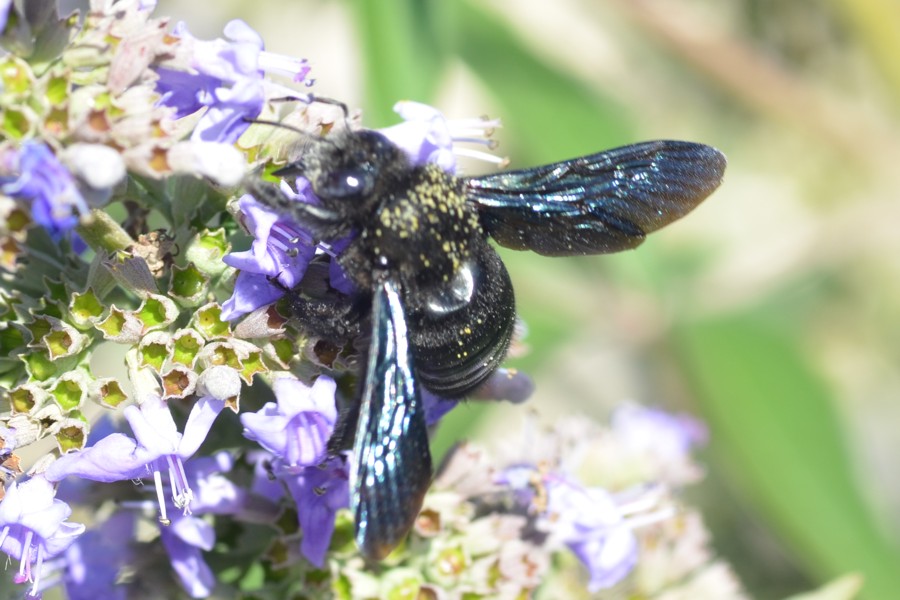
x: 773, y: 421
x: 843, y: 588
x: 552, y: 114
x: 401, y: 51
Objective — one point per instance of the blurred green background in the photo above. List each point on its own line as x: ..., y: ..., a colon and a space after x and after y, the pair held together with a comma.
x: 771, y: 312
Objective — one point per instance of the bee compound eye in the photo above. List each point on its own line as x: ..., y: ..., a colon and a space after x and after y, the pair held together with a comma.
x: 346, y: 183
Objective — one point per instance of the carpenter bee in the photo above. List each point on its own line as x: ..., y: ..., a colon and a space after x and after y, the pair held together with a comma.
x: 434, y: 298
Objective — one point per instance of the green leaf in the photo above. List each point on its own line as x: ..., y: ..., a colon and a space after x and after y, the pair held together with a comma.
x: 774, y: 422
x: 402, y: 52
x: 844, y: 588
x: 550, y: 113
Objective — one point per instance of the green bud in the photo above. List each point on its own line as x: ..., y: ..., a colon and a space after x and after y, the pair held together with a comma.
x: 153, y: 350
x: 17, y: 124
x: 156, y: 312
x: 188, y: 285
x: 178, y: 383
x: 48, y: 415
x: 206, y: 250
x: 120, y: 326
x: 71, y: 390
x: 56, y: 120
x: 13, y: 219
x: 186, y: 344
x: 71, y: 433
x: 85, y: 309
x: 144, y: 380
x: 26, y: 398
x: 283, y: 352
x: 58, y: 338
x: 252, y: 364
x: 39, y: 366
x: 401, y: 584
x: 208, y: 321
x: 57, y: 87
x: 16, y: 78
x: 447, y: 563
x: 221, y: 354
x: 109, y: 393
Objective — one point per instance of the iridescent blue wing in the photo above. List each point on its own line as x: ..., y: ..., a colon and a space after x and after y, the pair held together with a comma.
x: 392, y: 459
x: 600, y: 203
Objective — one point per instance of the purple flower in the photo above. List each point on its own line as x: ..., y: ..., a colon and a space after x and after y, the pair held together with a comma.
x: 592, y: 525
x: 226, y: 78
x: 33, y: 527
x: 46, y: 184
x: 587, y: 520
x: 661, y: 440
x: 297, y: 428
x: 156, y: 448
x: 319, y: 493
x: 265, y: 484
x: 213, y: 492
x: 657, y: 430
x: 183, y: 540
x: 93, y: 564
x: 275, y: 262
x: 436, y: 407
x: 427, y: 136
x: 5, y: 5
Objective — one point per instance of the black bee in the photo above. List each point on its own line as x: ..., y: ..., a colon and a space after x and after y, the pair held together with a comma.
x: 435, y: 299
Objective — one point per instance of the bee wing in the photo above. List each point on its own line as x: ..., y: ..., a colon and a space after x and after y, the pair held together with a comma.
x: 393, y: 467
x: 600, y: 203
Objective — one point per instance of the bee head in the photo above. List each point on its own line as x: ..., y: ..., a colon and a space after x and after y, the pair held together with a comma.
x: 348, y: 168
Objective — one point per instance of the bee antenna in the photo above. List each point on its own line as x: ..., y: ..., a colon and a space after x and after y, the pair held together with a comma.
x: 277, y: 124
x: 306, y: 134
x: 312, y: 99
x: 331, y: 101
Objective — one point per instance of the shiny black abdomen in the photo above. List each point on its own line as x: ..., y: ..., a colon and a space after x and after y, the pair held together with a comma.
x: 460, y: 334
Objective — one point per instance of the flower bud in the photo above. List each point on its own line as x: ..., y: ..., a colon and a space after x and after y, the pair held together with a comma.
x: 206, y: 250
x: 220, y: 382
x: 207, y: 320
x: 120, y: 326
x: 188, y: 286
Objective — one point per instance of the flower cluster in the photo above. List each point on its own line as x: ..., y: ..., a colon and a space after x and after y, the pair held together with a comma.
x: 116, y: 122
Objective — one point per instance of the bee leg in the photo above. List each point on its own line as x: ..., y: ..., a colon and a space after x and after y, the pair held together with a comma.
x: 344, y: 429
x: 335, y: 317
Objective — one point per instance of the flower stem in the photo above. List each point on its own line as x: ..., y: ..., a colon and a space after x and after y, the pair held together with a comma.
x: 102, y: 233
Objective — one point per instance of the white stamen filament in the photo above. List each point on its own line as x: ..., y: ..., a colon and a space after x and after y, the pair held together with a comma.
x: 38, y: 567
x: 479, y: 155
x: 160, y: 496
x: 652, y: 518
x: 25, y: 561
x: 282, y: 64
x: 181, y: 490
x: 327, y: 249
x: 475, y: 140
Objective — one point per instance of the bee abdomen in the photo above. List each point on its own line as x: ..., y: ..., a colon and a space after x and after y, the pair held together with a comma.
x: 456, y: 350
